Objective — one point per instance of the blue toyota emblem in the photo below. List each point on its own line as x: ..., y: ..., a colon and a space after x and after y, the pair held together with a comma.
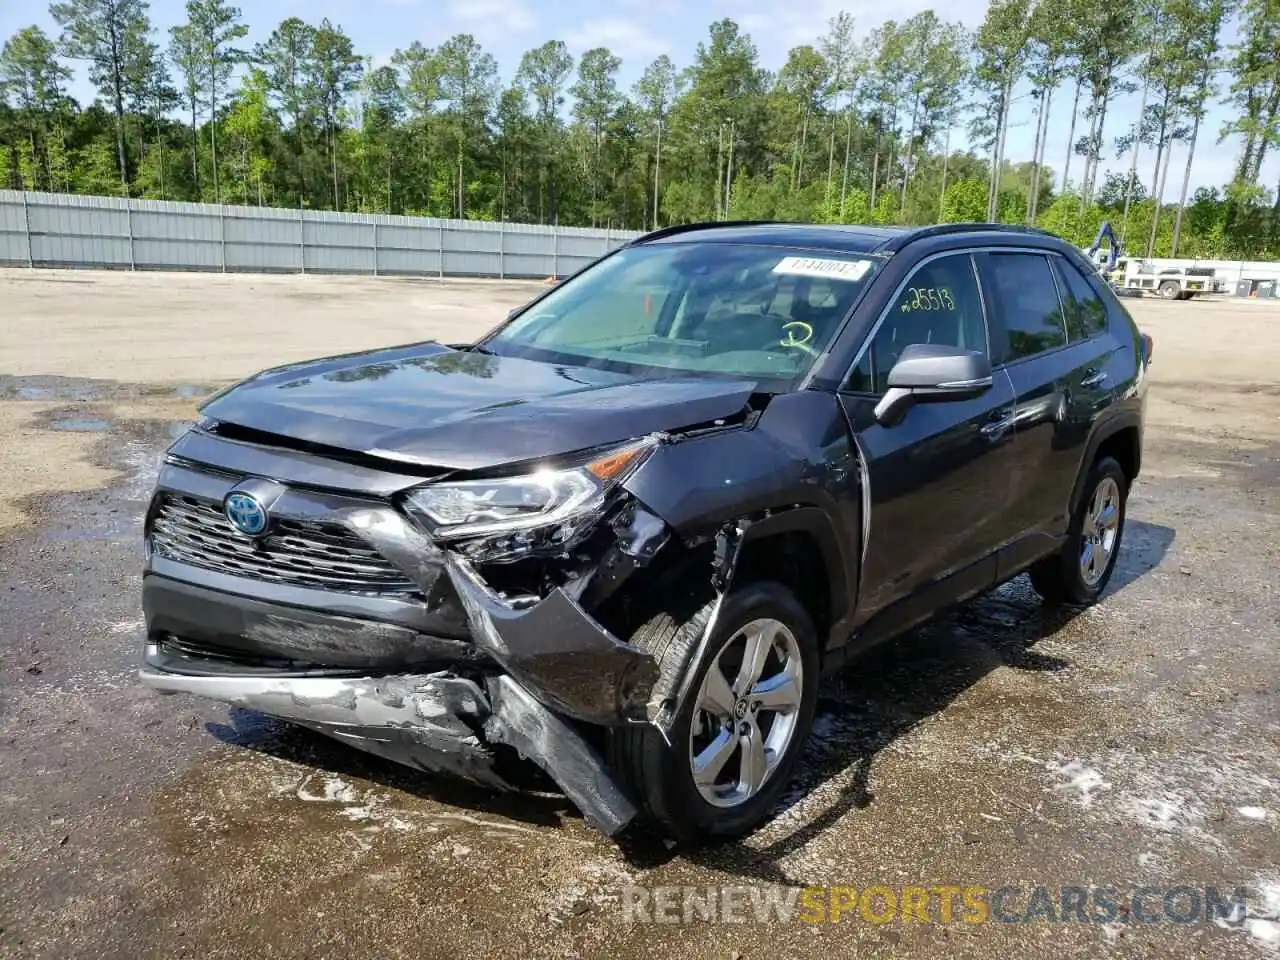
x: 245, y: 513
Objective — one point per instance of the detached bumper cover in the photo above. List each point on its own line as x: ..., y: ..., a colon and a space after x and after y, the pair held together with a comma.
x: 559, y: 652
x: 437, y: 722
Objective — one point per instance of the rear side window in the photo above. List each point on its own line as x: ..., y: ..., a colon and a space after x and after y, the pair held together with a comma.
x: 1026, y: 298
x: 1086, y: 313
x: 940, y: 304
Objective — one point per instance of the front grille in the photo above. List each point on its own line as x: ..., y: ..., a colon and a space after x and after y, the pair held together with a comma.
x: 301, y: 553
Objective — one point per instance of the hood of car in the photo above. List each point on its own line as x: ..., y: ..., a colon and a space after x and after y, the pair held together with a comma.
x: 431, y: 405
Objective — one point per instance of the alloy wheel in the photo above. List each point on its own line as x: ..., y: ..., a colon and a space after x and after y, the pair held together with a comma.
x: 746, y: 713
x: 1100, y: 531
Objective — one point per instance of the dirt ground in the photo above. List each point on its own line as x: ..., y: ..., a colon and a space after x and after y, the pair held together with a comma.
x: 1136, y: 744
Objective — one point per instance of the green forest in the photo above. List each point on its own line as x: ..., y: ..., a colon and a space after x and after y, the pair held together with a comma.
x: 864, y: 125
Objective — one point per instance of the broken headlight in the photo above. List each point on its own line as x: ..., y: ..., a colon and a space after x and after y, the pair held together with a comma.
x: 548, y: 508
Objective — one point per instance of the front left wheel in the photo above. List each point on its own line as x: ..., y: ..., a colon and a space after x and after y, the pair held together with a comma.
x: 737, y: 738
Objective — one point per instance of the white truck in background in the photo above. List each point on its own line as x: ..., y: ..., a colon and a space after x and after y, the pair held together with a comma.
x: 1169, y: 282
x: 1136, y: 277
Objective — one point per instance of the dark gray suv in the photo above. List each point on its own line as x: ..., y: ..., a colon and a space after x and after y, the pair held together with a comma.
x: 622, y: 534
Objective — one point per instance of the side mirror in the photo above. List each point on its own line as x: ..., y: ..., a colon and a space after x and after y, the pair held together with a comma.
x: 932, y: 373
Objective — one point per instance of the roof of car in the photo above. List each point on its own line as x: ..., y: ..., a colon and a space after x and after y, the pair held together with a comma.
x: 846, y: 238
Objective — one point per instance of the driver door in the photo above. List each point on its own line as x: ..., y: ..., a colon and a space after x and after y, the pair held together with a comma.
x: 937, y: 481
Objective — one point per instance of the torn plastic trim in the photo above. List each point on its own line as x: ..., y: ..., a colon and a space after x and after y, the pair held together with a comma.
x: 665, y: 704
x: 519, y: 721
x: 558, y: 651
x: 420, y: 721
x: 432, y: 722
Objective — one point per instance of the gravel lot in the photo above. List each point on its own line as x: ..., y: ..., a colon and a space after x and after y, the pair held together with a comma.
x: 1135, y: 744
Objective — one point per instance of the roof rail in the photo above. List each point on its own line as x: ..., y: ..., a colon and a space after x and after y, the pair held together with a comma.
x: 678, y: 228
x: 941, y: 229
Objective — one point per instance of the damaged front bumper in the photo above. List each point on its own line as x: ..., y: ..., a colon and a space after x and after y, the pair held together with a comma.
x: 434, y: 676
x: 439, y: 722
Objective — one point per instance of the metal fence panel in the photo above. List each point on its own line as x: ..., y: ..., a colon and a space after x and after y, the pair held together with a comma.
x: 61, y: 230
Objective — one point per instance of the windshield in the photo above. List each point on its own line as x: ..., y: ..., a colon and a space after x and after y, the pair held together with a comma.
x: 670, y: 309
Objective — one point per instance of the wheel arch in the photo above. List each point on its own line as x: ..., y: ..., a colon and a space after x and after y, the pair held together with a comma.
x: 1120, y: 438
x: 800, y: 548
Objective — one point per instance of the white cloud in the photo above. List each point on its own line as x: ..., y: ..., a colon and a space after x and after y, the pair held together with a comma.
x: 492, y: 15
x: 777, y: 25
x: 626, y: 38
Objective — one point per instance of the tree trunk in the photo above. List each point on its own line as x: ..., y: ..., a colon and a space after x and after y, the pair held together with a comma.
x: 719, y: 171
x: 993, y: 199
x: 1096, y: 143
x: 119, y: 110
x: 1133, y: 162
x: 946, y: 158
x: 1161, y: 143
x: 1071, y: 136
x: 195, y: 149
x: 595, y: 181
x: 213, y: 132
x: 831, y: 160
x: 728, y: 176
x: 657, y: 170
x: 893, y: 146
x: 1186, y: 177
x: 1271, y: 110
x: 844, y: 177
x: 1089, y: 153
x: 1035, y: 167
x: 906, y: 166
x: 875, y: 167
x: 1246, y: 157
x: 797, y: 166
x: 1159, y: 194
x: 1044, y: 141
x: 333, y: 162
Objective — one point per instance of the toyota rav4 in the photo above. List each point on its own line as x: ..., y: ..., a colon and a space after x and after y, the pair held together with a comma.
x: 616, y: 540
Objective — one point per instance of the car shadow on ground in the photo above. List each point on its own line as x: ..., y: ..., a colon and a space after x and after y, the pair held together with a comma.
x: 888, y: 691
x: 251, y: 730
x: 878, y: 698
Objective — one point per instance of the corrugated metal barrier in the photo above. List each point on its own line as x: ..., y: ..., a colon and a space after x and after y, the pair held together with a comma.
x: 63, y: 230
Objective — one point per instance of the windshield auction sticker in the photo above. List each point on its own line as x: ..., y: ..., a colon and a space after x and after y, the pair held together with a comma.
x: 817, y: 267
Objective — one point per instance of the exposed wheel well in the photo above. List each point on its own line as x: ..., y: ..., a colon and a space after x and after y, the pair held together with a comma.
x: 794, y: 559
x: 1125, y: 448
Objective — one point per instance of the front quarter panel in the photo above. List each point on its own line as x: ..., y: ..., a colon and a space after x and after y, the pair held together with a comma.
x: 798, y: 460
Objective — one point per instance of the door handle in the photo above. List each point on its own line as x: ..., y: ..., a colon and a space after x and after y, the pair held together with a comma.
x: 1093, y: 377
x: 996, y: 427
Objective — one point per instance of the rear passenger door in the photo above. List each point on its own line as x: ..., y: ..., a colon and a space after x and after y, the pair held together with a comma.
x: 936, y: 480
x: 1059, y: 378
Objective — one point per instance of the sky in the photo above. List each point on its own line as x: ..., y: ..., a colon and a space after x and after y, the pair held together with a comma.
x: 640, y: 30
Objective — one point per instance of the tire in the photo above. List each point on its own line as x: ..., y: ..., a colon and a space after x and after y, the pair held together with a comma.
x: 1062, y: 577
x: 1169, y: 290
x: 661, y: 776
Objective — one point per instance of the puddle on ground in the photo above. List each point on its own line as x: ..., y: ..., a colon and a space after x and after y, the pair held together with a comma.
x: 53, y: 388
x: 115, y: 514
x: 80, y: 425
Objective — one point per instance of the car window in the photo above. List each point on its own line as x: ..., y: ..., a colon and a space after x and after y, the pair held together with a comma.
x: 1024, y: 293
x: 1086, y: 313
x: 939, y: 304
x: 745, y: 310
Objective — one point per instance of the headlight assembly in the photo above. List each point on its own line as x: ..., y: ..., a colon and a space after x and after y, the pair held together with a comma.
x: 552, y: 505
